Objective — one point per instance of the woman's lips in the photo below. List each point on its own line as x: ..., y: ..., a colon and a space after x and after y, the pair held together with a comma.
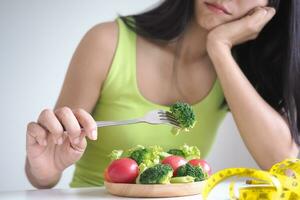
x: 217, y: 8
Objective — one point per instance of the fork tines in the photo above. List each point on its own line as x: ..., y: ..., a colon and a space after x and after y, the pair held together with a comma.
x: 168, y: 116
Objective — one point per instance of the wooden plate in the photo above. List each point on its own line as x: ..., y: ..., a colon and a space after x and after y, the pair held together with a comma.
x: 156, y: 190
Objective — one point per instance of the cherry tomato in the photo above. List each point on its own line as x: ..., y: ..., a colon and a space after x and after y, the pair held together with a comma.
x: 123, y: 170
x: 105, y: 175
x: 202, y: 163
x: 174, y: 162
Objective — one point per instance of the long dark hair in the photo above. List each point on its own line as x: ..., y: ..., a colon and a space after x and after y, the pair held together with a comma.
x: 270, y: 62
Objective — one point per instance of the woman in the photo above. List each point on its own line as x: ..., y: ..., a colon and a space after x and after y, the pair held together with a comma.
x: 235, y: 55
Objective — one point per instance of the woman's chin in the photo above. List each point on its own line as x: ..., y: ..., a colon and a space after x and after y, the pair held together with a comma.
x: 208, y: 26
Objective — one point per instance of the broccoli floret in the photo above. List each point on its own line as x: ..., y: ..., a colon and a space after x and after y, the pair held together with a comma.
x: 193, y: 171
x: 148, y: 156
x: 158, y: 174
x: 184, y: 114
x: 186, y: 151
x: 176, y: 152
x: 190, y: 152
x: 139, y: 155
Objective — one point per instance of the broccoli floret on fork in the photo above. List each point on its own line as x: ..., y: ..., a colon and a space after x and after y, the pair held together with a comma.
x: 185, y: 116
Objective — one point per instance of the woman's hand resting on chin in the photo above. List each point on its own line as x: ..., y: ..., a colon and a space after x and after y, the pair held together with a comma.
x: 241, y: 30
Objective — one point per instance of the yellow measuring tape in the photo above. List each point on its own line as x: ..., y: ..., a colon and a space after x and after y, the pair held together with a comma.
x: 281, y: 182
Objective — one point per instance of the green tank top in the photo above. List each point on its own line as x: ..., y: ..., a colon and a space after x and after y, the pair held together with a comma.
x: 120, y: 99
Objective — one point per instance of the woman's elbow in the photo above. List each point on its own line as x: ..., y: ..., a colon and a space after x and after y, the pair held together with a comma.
x: 290, y: 154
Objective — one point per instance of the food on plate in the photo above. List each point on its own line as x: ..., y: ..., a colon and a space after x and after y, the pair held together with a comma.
x: 123, y: 170
x: 184, y: 114
x: 186, y: 151
x: 202, y: 163
x: 182, y: 179
x: 106, y: 177
x: 145, y: 155
x: 153, y: 165
x: 157, y: 174
x: 116, y: 154
x: 175, y: 162
x: 194, y: 171
x: 139, y: 155
x: 176, y: 152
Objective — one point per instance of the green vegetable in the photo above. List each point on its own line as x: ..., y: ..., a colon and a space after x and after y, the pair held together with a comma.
x: 182, y: 179
x: 140, y: 155
x: 186, y: 151
x: 193, y: 171
x: 157, y: 174
x: 115, y: 154
x: 184, y: 114
x: 163, y: 155
x: 145, y: 157
x: 151, y: 171
x: 156, y: 152
x: 129, y: 151
x: 176, y: 152
x: 190, y: 152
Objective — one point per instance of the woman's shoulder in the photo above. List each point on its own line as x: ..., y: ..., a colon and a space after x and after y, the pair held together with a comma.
x: 89, y: 66
x: 99, y: 45
x: 107, y: 29
x: 103, y: 35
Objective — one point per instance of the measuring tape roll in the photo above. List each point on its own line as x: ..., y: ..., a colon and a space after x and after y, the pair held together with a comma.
x: 281, y: 182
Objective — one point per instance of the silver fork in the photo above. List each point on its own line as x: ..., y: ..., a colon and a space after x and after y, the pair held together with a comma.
x: 152, y: 117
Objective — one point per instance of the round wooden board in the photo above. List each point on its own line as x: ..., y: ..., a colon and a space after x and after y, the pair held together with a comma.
x: 155, y: 190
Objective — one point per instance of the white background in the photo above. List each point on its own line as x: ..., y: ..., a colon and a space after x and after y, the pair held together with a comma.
x: 37, y: 40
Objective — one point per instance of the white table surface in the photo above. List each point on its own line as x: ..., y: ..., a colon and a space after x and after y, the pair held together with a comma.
x: 219, y: 193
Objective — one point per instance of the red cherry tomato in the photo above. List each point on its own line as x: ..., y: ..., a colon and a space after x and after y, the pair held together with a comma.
x: 174, y: 162
x: 124, y: 170
x: 201, y: 163
x: 106, y: 177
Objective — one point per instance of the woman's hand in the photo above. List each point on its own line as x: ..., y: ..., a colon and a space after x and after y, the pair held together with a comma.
x: 240, y: 31
x: 56, y: 141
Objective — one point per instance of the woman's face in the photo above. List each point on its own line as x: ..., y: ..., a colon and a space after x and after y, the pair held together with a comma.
x: 211, y: 13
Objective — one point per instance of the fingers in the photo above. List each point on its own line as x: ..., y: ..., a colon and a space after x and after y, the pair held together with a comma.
x: 79, y: 148
x: 260, y: 17
x: 270, y: 14
x: 252, y: 24
x: 70, y: 123
x: 36, y: 133
x: 61, y: 124
x: 49, y: 121
x: 241, y: 30
x: 87, y: 122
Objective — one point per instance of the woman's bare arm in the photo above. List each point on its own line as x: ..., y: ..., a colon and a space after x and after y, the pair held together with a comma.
x: 81, y: 89
x: 263, y: 129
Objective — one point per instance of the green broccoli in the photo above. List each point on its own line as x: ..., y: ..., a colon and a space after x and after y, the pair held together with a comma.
x: 148, y: 156
x: 140, y: 155
x: 186, y: 151
x: 184, y: 114
x: 157, y: 174
x: 190, y: 152
x: 176, y: 152
x: 193, y: 171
